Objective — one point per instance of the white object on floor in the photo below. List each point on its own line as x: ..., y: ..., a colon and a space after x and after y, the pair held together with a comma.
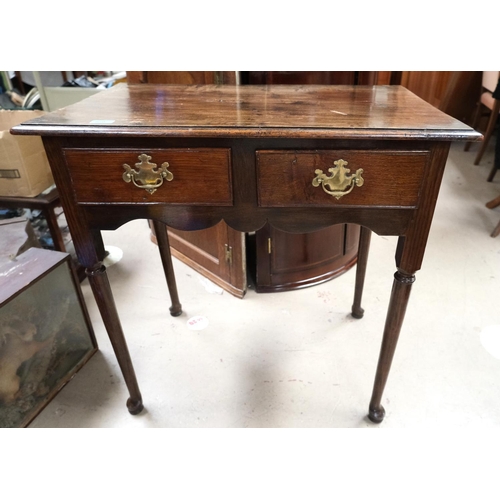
x: 490, y: 338
x: 210, y: 286
x: 197, y: 323
x: 115, y: 254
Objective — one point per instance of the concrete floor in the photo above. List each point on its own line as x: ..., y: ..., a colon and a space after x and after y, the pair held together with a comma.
x: 298, y: 359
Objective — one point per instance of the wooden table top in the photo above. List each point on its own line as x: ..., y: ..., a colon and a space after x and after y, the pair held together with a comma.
x: 292, y: 111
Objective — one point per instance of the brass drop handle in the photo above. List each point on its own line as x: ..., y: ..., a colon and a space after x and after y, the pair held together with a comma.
x: 338, y: 184
x: 147, y: 176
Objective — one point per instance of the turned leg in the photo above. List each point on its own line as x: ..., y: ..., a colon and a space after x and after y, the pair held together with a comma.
x: 166, y: 258
x: 363, y: 250
x: 99, y: 283
x: 395, y: 315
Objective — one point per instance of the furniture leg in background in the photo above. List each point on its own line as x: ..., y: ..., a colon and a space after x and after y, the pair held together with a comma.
x: 166, y: 259
x: 493, y: 204
x: 496, y: 161
x: 489, y: 131
x: 363, y: 251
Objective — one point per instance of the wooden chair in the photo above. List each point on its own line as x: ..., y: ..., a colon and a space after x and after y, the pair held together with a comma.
x: 493, y: 204
x: 486, y: 100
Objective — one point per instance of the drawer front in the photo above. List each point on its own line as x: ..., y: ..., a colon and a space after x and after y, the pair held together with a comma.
x: 192, y: 176
x: 388, y: 178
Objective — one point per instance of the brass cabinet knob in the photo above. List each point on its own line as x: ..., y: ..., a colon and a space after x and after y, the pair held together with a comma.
x: 147, y: 176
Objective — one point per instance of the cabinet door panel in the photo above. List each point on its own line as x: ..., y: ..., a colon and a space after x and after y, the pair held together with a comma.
x: 218, y: 253
x: 287, y: 261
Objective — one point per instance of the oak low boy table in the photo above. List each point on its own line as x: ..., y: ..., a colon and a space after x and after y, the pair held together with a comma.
x: 299, y: 157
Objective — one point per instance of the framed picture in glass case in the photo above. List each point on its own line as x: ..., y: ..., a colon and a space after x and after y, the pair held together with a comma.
x: 45, y: 333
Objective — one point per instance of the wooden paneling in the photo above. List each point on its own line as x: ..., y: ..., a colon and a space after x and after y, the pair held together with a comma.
x: 312, y: 77
x: 454, y: 92
x: 429, y: 85
x: 182, y: 77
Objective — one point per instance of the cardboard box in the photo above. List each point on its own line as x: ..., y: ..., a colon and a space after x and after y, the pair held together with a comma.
x: 24, y: 167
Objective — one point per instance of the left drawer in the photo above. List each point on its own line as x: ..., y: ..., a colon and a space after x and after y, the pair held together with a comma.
x: 178, y: 176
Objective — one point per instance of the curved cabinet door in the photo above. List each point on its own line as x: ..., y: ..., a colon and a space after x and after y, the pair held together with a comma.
x: 286, y: 261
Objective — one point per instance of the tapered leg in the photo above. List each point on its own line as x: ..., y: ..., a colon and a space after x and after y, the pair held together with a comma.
x: 166, y: 258
x: 496, y: 231
x: 492, y: 173
x: 363, y: 250
x: 395, y: 315
x: 99, y: 283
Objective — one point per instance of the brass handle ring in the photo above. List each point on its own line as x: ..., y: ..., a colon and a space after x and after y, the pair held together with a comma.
x: 338, y: 184
x: 147, y: 176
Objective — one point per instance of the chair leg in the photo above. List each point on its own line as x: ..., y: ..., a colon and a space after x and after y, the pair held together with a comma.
x: 493, y: 172
x: 489, y: 130
x: 496, y: 231
x: 494, y: 203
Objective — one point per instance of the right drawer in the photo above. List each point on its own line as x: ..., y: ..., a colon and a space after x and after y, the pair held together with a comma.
x: 379, y: 178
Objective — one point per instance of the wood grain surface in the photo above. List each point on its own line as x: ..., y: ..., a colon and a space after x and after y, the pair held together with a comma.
x: 200, y: 176
x: 285, y: 177
x: 319, y: 111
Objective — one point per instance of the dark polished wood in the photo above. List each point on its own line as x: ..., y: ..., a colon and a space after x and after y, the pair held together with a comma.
x: 182, y: 77
x: 220, y: 253
x: 289, y: 261
x: 166, y: 259
x: 313, y: 77
x: 364, y: 249
x: 378, y: 125
x: 217, y: 253
x: 295, y: 170
x: 395, y: 316
x: 254, y: 111
x: 210, y: 168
